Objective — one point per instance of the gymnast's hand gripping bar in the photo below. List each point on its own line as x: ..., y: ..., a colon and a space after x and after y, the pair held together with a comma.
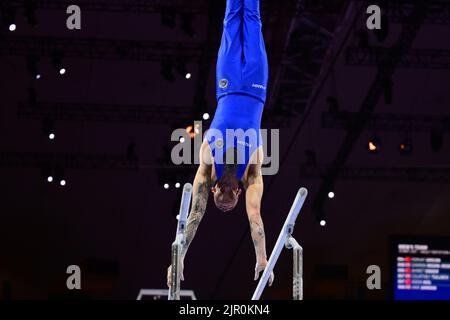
x: 177, y: 245
x: 285, y: 238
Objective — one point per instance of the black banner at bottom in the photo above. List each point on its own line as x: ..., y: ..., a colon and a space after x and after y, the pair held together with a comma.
x: 205, y: 310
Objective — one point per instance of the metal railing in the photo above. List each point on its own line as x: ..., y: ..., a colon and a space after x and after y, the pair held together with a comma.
x: 177, y: 245
x: 285, y: 239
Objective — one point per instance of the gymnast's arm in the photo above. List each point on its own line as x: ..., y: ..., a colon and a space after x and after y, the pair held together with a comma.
x: 201, y: 187
x: 200, y: 192
x: 253, y: 197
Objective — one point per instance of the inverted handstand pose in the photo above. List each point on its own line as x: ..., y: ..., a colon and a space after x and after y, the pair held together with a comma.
x: 226, y: 161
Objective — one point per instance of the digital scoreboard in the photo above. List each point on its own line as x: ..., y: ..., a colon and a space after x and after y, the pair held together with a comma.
x: 421, y: 268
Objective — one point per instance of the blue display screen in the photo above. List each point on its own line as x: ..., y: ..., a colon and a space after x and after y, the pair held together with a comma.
x: 421, y: 269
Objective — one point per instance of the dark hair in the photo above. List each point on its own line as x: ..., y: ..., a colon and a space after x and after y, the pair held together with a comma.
x: 226, y: 195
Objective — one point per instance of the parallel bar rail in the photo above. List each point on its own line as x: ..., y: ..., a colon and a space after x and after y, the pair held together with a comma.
x: 285, y: 238
x: 177, y: 245
x: 297, y: 278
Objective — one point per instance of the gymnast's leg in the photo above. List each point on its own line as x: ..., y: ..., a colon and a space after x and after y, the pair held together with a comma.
x: 231, y: 43
x: 252, y: 30
x: 230, y: 52
x: 256, y: 70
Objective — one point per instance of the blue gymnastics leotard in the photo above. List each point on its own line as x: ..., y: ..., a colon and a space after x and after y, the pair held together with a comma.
x: 241, y: 86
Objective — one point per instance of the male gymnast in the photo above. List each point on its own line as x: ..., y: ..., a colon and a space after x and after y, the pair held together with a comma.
x: 229, y: 162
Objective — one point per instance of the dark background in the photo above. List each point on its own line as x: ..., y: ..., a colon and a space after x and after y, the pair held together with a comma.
x: 334, y: 86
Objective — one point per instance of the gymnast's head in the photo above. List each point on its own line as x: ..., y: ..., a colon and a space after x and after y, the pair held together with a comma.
x: 226, y: 192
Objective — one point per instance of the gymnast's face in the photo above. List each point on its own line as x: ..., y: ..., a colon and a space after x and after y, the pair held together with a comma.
x: 226, y: 193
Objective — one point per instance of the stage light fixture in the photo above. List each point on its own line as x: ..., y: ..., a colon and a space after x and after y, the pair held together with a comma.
x: 406, y: 147
x: 48, y: 128
x: 32, y: 66
x: 374, y: 145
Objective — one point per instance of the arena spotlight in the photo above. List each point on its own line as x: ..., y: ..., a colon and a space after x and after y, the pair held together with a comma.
x: 177, y: 185
x: 32, y: 66
x: 189, y: 130
x: 47, y: 172
x: 182, y: 140
x: 193, y: 130
x: 406, y: 147
x: 206, y: 116
x: 48, y: 128
x: 166, y: 186
x: 323, y: 223
x: 331, y: 195
x: 59, y: 175
x: 8, y: 15
x: 182, y: 70
x: 374, y: 145
x: 57, y: 58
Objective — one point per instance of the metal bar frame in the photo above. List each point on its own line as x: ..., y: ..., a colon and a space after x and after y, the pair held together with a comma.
x: 158, y: 293
x: 286, y: 235
x: 177, y: 245
x: 297, y: 275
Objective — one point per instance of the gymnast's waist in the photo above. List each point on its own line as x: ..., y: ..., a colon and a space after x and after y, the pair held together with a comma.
x: 238, y: 111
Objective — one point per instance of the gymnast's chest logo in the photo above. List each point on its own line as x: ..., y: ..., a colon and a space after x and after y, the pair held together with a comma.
x: 223, y: 83
x: 219, y: 143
